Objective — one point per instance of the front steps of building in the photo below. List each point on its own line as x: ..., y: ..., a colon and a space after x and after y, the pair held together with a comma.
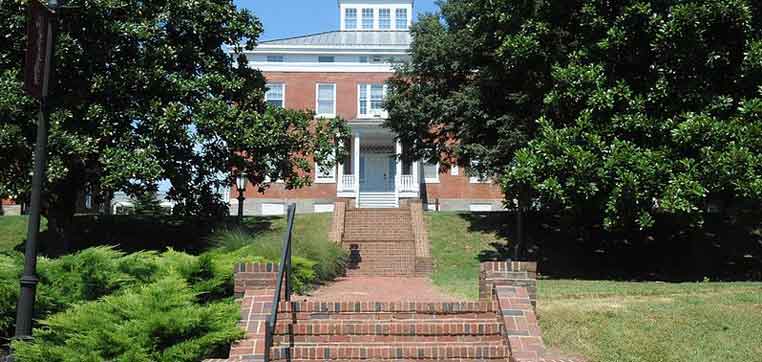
x: 378, y: 200
x: 386, y: 242
x: 501, y: 326
x: 398, y: 331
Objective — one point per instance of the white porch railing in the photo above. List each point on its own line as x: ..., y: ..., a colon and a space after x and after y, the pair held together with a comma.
x: 407, y: 184
x: 347, y: 183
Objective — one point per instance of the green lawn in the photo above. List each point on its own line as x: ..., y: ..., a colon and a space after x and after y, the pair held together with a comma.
x: 13, y: 231
x: 612, y: 321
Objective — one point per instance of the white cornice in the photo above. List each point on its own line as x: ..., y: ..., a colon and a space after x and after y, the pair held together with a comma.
x: 322, y: 67
x: 333, y: 49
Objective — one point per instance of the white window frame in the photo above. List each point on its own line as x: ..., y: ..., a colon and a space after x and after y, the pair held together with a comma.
x: 429, y: 180
x: 356, y: 19
x: 389, y: 18
x: 283, y: 92
x: 372, y: 19
x: 397, y: 19
x: 317, y: 101
x: 368, y: 87
x: 454, y: 170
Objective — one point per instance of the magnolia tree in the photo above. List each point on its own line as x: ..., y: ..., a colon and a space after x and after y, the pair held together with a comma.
x: 615, y: 111
x: 148, y: 91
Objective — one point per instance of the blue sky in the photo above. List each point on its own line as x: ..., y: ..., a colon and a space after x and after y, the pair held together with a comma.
x: 285, y: 18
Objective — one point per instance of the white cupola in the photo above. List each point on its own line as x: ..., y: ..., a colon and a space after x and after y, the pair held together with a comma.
x: 375, y: 15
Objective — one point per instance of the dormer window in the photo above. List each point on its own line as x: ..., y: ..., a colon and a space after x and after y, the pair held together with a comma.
x: 350, y: 19
x: 384, y: 19
x: 367, y: 18
x: 401, y: 19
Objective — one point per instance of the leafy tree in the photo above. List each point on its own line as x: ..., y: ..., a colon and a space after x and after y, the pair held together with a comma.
x: 148, y: 91
x: 146, y: 203
x: 616, y: 111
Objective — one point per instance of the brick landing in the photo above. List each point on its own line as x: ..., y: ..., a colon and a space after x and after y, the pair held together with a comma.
x: 361, y: 288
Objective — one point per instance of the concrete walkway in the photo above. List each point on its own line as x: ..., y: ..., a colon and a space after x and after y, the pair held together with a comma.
x: 383, y: 289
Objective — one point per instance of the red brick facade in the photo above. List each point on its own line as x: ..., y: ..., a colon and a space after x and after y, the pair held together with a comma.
x: 300, y: 93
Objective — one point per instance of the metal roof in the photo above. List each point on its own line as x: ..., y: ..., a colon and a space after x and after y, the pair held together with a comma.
x: 347, y: 38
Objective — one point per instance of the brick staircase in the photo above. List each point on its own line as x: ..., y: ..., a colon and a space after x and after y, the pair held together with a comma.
x: 381, y: 242
x: 399, y: 331
x: 501, y: 326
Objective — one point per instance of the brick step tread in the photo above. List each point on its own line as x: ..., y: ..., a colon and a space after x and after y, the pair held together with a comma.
x: 399, y: 328
x: 397, y: 306
x: 406, y: 351
x: 398, y: 316
x: 409, y: 360
x: 382, y: 340
x: 383, y: 273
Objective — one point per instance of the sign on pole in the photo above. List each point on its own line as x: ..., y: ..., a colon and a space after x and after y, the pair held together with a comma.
x: 39, y: 49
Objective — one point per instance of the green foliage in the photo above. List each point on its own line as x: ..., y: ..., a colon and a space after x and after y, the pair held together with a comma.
x: 613, y: 111
x: 146, y: 203
x: 315, y: 259
x: 102, y: 304
x: 147, y: 91
x: 155, y: 322
x: 101, y: 271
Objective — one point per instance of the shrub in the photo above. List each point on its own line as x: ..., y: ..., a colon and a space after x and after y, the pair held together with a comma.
x: 96, y: 272
x: 328, y: 259
x: 157, y: 322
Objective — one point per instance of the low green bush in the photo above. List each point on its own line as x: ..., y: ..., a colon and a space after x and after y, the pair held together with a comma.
x: 102, y: 304
x: 96, y: 272
x: 159, y: 322
x: 328, y: 259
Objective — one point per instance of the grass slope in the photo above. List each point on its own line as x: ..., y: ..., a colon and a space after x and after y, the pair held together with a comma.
x: 13, y: 231
x: 611, y: 321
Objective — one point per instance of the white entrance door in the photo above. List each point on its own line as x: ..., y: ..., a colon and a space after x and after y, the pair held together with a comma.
x: 377, y: 173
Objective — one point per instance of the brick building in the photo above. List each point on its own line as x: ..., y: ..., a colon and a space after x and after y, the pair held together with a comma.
x: 342, y: 73
x: 9, y: 207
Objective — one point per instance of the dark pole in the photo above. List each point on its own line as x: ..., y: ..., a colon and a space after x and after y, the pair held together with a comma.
x: 241, y: 199
x: 29, y: 279
x: 25, y: 307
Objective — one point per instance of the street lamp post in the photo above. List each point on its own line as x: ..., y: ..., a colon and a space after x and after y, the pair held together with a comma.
x: 41, y: 32
x: 241, y: 185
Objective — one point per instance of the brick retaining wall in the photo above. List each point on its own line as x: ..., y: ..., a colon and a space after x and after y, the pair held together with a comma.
x: 508, y: 273
x: 254, y: 276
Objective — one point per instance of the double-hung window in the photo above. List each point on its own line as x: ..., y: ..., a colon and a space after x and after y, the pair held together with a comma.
x: 384, y: 19
x: 431, y: 173
x: 350, y: 19
x: 276, y: 94
x: 371, y: 100
x: 326, y: 100
x: 401, y: 16
x: 367, y: 18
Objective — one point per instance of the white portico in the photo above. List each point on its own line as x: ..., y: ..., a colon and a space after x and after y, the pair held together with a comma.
x: 374, y: 174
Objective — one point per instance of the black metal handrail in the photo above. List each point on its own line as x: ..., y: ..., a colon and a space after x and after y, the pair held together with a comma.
x: 284, y: 270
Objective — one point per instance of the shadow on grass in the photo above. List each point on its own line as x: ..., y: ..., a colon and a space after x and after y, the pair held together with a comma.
x: 727, y: 249
x: 135, y: 233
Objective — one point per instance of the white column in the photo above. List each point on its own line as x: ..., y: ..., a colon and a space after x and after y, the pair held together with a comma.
x: 340, y: 176
x: 398, y: 174
x: 416, y: 180
x: 356, y: 168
